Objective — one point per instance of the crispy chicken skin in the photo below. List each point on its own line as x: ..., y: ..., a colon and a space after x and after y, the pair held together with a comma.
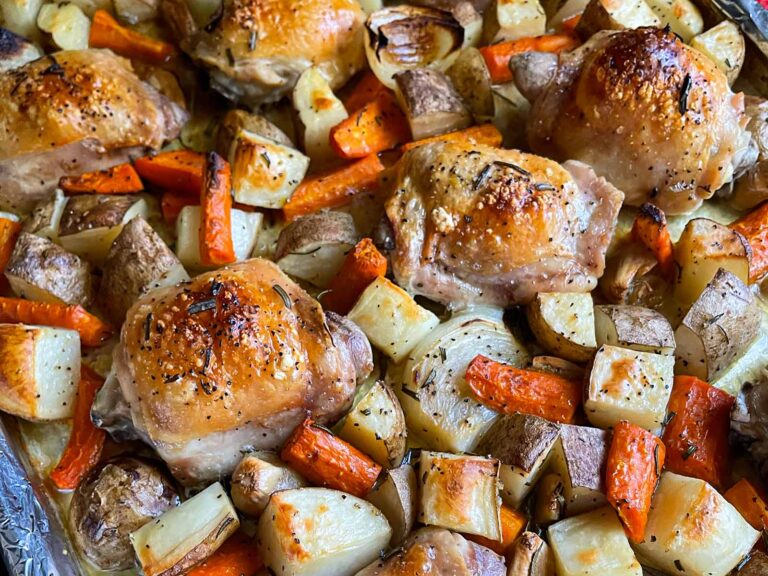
x: 652, y: 115
x: 233, y: 360
x: 475, y: 224
x: 257, y: 49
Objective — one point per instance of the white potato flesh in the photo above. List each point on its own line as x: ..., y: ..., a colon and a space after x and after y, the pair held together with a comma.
x: 693, y: 530
x: 460, y: 493
x: 579, y: 457
x: 245, y: 229
x: 391, y: 319
x: 514, y: 19
x: 682, y: 16
x: 396, y: 497
x: 370, y: 6
x: 186, y: 535
x: 634, y: 327
x: 44, y: 220
x: 320, y: 532
x: 723, y: 44
x: 617, y: 15
x: 567, y: 11
x: 629, y: 385
x: 319, y: 110
x: 591, y: 544
x: 564, y: 324
x: 20, y: 17
x: 66, y: 23
x: 264, y: 173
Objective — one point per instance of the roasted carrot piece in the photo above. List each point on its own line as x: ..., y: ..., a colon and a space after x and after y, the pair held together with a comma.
x: 171, y: 204
x: 486, y: 134
x: 361, y: 267
x: 238, y: 556
x: 512, y: 524
x: 327, y: 460
x: 9, y: 232
x: 216, y: 246
x: 106, y: 32
x: 179, y: 171
x: 121, y: 179
x: 749, y: 503
x: 379, y: 125
x: 569, y: 24
x: 86, y: 441
x: 650, y: 228
x: 696, y: 434
x: 497, y: 56
x: 93, y: 331
x: 367, y: 88
x: 507, y: 389
x: 335, y: 187
x: 754, y: 227
x: 634, y: 464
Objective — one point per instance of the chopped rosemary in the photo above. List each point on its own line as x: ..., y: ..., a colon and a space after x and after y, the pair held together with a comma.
x: 252, y: 40
x: 482, y: 177
x: 173, y: 378
x: 202, y: 306
x: 668, y: 418
x: 283, y: 294
x: 541, y: 186
x: 267, y: 161
x: 147, y: 326
x: 684, y: 90
x: 656, y: 460
x: 443, y: 354
x: 689, y: 451
x: 207, y: 360
x: 515, y: 167
x: 408, y: 392
x: 321, y: 427
x: 216, y: 287
x: 430, y: 379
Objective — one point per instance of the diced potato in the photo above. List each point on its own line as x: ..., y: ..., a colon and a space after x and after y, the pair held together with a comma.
x: 376, y: 426
x: 634, y: 327
x: 370, y: 6
x: 257, y: 477
x: 579, y: 458
x: 564, y: 324
x: 185, y: 535
x: 472, y: 80
x: 320, y: 532
x: 615, y: 15
x: 523, y: 444
x: 20, y: 17
x: 682, y: 16
x: 44, y: 219
x: 693, y: 530
x: 629, y: 385
x: 593, y: 543
x: 135, y: 11
x: 245, y: 229
x: 396, y: 497
x: 460, y: 493
x: 530, y: 556
x: 725, y: 46
x: 319, y: 110
x: 264, y: 173
x: 567, y: 11
x: 391, y: 319
x: 67, y: 25
x: 39, y: 371
x: 513, y: 19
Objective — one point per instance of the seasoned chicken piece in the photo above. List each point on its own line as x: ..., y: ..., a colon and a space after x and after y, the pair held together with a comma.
x: 71, y: 112
x: 652, y: 115
x: 475, y: 224
x: 231, y: 361
x: 255, y: 50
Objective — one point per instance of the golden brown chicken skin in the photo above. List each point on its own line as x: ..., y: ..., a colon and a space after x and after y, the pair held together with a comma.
x: 474, y: 224
x: 649, y: 113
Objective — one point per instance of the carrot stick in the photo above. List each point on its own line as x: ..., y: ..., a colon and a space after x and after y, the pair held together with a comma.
x: 180, y: 171
x: 379, y: 125
x: 238, y: 556
x: 361, y: 267
x: 327, y: 460
x: 106, y: 32
x: 696, y: 435
x: 749, y: 503
x: 86, y: 441
x: 512, y: 524
x: 171, y: 204
x: 334, y: 188
x: 92, y: 330
x: 486, y: 134
x: 650, y: 228
x: 497, y: 56
x: 366, y: 89
x: 507, y: 389
x: 634, y: 464
x: 121, y: 179
x: 216, y: 246
x: 754, y: 227
x: 9, y: 232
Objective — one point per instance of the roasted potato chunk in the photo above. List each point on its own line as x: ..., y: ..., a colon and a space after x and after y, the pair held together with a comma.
x: 513, y: 19
x: 615, y: 15
x: 470, y: 76
x: 724, y: 44
x: 397, y: 497
x: 579, y: 458
x: 257, y: 477
x: 318, y: 111
x: 634, y: 327
x: 564, y: 324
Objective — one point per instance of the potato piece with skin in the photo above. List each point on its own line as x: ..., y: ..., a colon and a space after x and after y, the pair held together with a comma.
x: 397, y: 497
x: 471, y: 79
x: 513, y: 19
x: 579, y: 457
x: 460, y: 492
x: 693, y: 530
x: 592, y: 543
x: 15, y: 50
x: 39, y: 371
x: 318, y: 110
x: 564, y: 324
x: 41, y: 270
x: 430, y: 102
x: 629, y: 385
x: 234, y: 121
x: 523, y: 444
x: 20, y: 17
x: 320, y: 532
x: 45, y: 217
x: 566, y: 11
x: 682, y: 16
x: 530, y: 556
x: 135, y: 11
x: 66, y: 23
x: 257, y: 477
x: 755, y: 565
x: 634, y: 327
x: 724, y: 44
x: 720, y: 326
x: 615, y: 15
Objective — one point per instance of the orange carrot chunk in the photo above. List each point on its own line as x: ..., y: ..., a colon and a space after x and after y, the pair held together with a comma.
x: 379, y: 125
x: 327, y: 460
x: 485, y: 134
x: 106, y: 32
x: 634, y: 464
x: 121, y: 179
x: 366, y: 89
x: 179, y: 171
x: 9, y: 232
x: 361, y: 267
x: 93, y: 331
x: 238, y: 556
x: 507, y: 389
x: 216, y: 246
x: 171, y: 204
x: 512, y: 525
x: 696, y: 434
x: 497, y: 56
x: 650, y: 228
x: 754, y: 227
x: 749, y: 503
x: 335, y: 187
x: 86, y: 441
